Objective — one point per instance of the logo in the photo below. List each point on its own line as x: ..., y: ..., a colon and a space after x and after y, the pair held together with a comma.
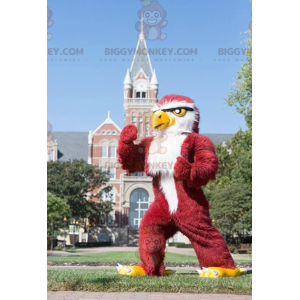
x: 156, y: 145
x: 49, y: 23
x: 153, y: 17
x: 152, y: 246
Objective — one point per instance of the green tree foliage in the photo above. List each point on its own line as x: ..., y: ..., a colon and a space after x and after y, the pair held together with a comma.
x: 56, y: 210
x: 230, y: 195
x: 74, y: 181
x: 240, y: 95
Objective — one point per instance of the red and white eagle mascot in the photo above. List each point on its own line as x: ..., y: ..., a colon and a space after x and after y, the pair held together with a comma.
x: 180, y: 162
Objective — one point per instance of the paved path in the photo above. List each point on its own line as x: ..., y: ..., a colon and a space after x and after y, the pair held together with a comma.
x: 138, y: 296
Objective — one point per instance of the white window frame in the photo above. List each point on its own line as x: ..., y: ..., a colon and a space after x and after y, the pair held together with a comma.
x: 113, y: 173
x: 102, y: 147
x: 140, y: 211
x: 111, y: 214
x: 115, y: 152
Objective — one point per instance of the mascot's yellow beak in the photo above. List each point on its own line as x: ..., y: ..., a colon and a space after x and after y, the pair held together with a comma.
x: 161, y: 120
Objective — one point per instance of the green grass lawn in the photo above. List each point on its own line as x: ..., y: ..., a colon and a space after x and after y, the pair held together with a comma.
x: 112, y: 258
x: 110, y: 281
x: 122, y: 257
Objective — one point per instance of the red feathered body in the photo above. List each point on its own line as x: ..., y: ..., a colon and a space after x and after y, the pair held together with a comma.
x: 187, y: 163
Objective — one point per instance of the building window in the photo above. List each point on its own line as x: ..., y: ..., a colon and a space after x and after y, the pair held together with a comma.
x: 102, y: 220
x: 107, y: 219
x: 138, y: 174
x: 143, y: 94
x: 112, y: 173
x: 108, y: 132
x: 134, y: 119
x: 105, y: 170
x: 112, y: 151
x: 138, y: 95
x: 111, y: 218
x: 107, y: 196
x: 139, y: 204
x: 103, y: 151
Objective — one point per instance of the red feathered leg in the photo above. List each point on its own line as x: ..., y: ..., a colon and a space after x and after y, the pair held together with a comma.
x: 156, y: 227
x: 208, y: 243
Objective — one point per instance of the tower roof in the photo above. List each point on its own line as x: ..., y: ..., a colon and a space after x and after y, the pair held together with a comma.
x: 141, y: 59
x: 154, y: 78
x: 127, y: 79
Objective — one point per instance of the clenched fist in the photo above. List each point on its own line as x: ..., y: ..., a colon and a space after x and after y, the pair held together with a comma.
x: 182, y: 168
x: 129, y: 134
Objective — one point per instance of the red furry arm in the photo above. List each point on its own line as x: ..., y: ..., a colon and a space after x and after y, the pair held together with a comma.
x: 131, y: 156
x: 205, y: 164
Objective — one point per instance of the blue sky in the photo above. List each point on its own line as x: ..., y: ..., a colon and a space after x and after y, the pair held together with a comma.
x: 81, y: 92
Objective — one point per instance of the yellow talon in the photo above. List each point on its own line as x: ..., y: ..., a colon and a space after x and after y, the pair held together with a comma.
x: 214, y: 272
x: 131, y: 270
x: 137, y: 271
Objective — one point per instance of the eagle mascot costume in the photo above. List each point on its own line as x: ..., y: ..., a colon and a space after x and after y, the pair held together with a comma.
x: 180, y: 161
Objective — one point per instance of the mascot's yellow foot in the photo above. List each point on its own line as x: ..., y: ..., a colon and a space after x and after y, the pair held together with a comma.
x: 137, y: 271
x: 131, y: 270
x: 169, y: 272
x: 220, y: 272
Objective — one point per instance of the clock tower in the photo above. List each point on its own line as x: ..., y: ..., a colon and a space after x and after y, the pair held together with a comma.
x: 140, y: 89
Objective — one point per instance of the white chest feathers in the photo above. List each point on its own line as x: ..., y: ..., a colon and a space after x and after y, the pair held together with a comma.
x: 162, y: 157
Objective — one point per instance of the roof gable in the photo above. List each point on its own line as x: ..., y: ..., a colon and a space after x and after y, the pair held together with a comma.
x: 108, y: 121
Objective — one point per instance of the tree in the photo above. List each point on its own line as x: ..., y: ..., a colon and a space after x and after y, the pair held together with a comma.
x: 230, y: 195
x: 76, y: 181
x: 56, y: 210
x: 240, y: 95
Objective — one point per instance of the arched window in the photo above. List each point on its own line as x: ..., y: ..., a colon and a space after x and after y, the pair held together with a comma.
x: 104, y: 148
x: 139, y: 204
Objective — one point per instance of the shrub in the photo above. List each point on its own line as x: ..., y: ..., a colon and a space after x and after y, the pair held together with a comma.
x: 181, y: 245
x: 93, y: 244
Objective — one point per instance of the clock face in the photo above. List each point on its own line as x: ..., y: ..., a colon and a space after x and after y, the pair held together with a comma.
x: 141, y: 85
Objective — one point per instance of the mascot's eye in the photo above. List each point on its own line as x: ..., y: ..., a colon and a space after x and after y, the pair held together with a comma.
x: 179, y: 112
x: 156, y: 15
x: 147, y: 15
